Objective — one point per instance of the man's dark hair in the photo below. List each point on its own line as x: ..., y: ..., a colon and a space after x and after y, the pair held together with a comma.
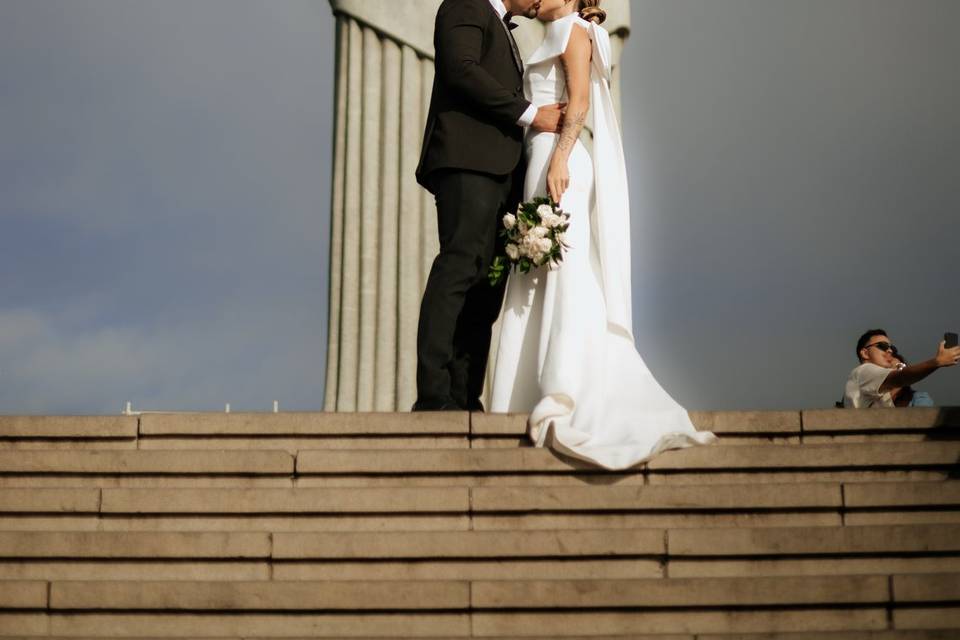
x: 865, y: 338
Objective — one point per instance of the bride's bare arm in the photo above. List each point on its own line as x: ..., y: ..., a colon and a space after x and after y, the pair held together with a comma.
x: 576, y: 67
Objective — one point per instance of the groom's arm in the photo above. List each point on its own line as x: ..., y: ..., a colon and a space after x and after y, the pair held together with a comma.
x: 459, y: 31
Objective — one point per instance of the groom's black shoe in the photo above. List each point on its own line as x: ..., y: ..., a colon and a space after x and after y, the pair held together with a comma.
x: 444, y: 405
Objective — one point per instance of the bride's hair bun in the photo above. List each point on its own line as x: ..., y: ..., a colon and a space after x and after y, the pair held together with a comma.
x: 590, y: 10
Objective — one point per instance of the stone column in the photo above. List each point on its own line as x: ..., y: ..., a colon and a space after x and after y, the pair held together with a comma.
x: 383, y: 224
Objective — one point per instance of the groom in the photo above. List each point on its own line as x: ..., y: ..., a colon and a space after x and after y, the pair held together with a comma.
x: 471, y: 162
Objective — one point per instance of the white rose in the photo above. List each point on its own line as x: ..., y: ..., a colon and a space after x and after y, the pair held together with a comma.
x: 522, y: 227
x: 509, y: 221
x: 545, y: 244
x: 538, y: 232
x: 529, y: 246
x: 544, y: 210
x: 513, y: 251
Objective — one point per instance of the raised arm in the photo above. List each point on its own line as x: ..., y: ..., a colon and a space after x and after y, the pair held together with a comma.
x: 459, y: 41
x: 916, y: 372
x: 576, y: 68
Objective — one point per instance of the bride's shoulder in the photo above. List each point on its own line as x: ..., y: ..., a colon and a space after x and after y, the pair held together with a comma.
x: 558, y: 35
x: 580, y: 34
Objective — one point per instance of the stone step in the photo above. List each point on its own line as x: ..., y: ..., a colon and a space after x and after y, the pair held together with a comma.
x: 680, y: 543
x: 426, y: 508
x: 490, y: 608
x: 899, y: 634
x: 261, y: 595
x: 452, y: 467
x: 612, y: 567
x: 295, y: 430
x: 736, y: 622
x: 553, y: 624
x: 799, y: 541
x: 820, y: 635
x: 255, y: 625
x: 147, y: 462
x: 823, y: 496
x: 718, y: 543
x: 232, y: 501
x: 153, y: 545
x: 267, y: 595
x: 68, y: 427
x: 940, y: 456
x: 419, y: 569
x: 780, y: 425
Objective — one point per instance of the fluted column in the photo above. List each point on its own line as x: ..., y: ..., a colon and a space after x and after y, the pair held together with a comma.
x: 383, y: 224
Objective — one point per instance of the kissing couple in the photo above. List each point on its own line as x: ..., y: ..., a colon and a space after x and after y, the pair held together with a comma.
x: 500, y: 131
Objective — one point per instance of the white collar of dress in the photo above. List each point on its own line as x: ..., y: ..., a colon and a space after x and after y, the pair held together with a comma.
x: 556, y: 36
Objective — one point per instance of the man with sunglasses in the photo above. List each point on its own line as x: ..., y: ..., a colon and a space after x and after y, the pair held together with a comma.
x: 879, y: 371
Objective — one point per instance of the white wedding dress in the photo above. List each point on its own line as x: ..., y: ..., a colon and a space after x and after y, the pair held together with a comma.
x: 566, y: 354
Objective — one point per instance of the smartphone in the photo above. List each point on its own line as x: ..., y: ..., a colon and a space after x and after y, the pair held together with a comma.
x: 950, y: 339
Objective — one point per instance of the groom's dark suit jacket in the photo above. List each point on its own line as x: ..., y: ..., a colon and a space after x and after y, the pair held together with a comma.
x: 477, y: 94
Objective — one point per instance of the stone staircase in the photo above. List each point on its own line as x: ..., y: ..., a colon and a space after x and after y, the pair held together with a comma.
x: 808, y: 525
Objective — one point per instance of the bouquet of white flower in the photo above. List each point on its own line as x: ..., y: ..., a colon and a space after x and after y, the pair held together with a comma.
x: 534, y: 237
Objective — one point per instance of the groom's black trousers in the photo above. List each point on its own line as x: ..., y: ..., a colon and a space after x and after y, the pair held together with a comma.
x: 459, y: 306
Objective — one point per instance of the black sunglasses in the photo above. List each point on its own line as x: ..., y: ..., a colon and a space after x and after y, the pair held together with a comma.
x: 883, y: 346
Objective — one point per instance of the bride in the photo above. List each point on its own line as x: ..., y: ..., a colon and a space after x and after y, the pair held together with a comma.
x: 566, y: 352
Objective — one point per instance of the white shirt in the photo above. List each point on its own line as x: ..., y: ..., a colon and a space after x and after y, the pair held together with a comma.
x: 863, y: 387
x: 526, y: 119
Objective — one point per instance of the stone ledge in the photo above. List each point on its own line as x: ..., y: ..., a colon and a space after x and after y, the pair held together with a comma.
x: 522, y: 568
x: 263, y: 595
x: 922, y: 618
x: 747, y: 422
x: 260, y: 625
x: 814, y: 540
x: 68, y: 427
x: 23, y: 594
x: 352, y: 500
x: 933, y: 587
x: 827, y: 420
x: 17, y: 500
x: 123, y: 544
x: 680, y: 592
x: 733, y: 422
x: 901, y: 494
x: 468, y: 544
x: 714, y: 458
x: 436, y: 461
x: 673, y: 497
x: 897, y: 454
x: 629, y: 624
x: 304, y: 424
x: 498, y: 424
x: 152, y: 462
x: 839, y: 635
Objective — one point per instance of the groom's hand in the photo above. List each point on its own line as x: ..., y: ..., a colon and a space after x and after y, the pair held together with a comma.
x: 549, y: 118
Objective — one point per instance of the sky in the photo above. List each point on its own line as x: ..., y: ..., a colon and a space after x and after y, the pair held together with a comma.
x: 165, y: 193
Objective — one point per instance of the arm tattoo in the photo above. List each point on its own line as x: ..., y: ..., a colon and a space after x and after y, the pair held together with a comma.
x: 572, y: 124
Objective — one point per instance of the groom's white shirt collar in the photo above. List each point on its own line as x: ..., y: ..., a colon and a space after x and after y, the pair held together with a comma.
x: 499, y: 8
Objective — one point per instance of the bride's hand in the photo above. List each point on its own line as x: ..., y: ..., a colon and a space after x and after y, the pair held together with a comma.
x: 558, y: 178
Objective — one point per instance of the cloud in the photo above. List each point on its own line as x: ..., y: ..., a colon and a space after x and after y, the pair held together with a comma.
x: 165, y: 171
x: 245, y: 356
